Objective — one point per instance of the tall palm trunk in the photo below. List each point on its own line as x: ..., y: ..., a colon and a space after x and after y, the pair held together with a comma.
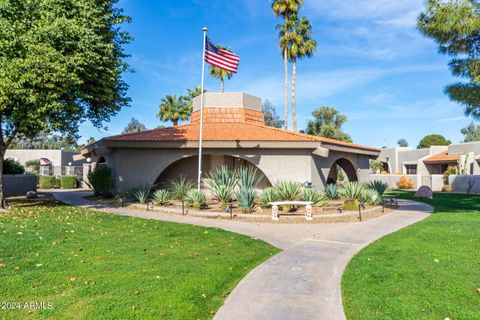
x: 294, y: 110
x: 285, y: 102
x: 222, y: 85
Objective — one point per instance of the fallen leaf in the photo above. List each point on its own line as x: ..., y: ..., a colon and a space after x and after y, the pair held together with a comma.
x: 2, y: 265
x: 72, y: 279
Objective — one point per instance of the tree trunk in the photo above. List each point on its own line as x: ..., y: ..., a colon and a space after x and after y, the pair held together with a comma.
x: 222, y: 85
x: 2, y: 198
x: 294, y: 110
x: 175, y: 122
x: 285, y: 93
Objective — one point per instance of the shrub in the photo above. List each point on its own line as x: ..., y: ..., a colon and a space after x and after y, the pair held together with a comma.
x: 33, y: 165
x: 378, y: 186
x: 248, y: 178
x: 46, y: 182
x: 446, y: 188
x: 405, y: 183
x: 12, y: 167
x: 139, y: 194
x: 58, y: 183
x: 246, y: 198
x: 351, y: 205
x: 268, y: 195
x: 352, y: 191
x: 196, y: 199
x: 161, y: 197
x: 101, y: 181
x: 451, y: 170
x: 180, y: 187
x: 68, y: 182
x: 371, y: 197
x: 288, y: 190
x: 312, y: 195
x: 221, y: 183
x: 331, y: 191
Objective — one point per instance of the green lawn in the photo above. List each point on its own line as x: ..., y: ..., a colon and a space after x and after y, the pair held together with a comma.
x: 93, y: 265
x: 430, y: 270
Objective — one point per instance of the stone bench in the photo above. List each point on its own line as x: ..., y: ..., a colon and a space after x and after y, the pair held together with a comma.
x: 307, y: 204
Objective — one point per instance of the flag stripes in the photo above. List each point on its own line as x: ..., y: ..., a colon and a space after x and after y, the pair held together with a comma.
x: 221, y: 58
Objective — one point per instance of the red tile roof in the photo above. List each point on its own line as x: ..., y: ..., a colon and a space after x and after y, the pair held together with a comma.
x: 228, y: 132
x: 443, y: 157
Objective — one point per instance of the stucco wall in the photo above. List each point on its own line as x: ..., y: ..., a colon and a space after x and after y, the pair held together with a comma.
x: 58, y: 157
x: 18, y: 184
x: 460, y: 183
x: 137, y: 167
x: 392, y: 179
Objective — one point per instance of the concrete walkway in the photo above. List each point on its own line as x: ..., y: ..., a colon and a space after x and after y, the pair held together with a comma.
x: 303, y: 281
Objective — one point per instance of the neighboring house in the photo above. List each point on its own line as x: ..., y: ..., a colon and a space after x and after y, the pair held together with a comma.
x: 52, y: 162
x: 427, y: 166
x: 234, y: 134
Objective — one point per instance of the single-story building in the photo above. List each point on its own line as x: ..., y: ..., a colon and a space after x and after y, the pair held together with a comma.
x: 234, y: 134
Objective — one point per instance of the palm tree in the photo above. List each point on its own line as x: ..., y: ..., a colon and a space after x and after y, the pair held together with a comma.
x: 174, y: 109
x: 220, y: 73
x: 192, y: 93
x: 302, y: 45
x: 285, y: 8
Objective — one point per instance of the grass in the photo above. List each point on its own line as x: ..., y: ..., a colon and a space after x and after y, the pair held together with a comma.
x: 430, y: 270
x: 94, y: 265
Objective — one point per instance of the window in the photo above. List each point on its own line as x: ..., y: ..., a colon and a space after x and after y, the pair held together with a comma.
x: 411, y: 169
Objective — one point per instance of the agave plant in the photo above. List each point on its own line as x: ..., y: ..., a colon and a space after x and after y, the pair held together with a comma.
x: 351, y: 191
x: 268, y: 195
x: 318, y: 198
x: 331, y: 191
x: 139, y: 194
x: 246, y: 198
x: 196, y: 199
x: 180, y: 187
x: 248, y: 178
x: 371, y: 197
x: 221, y: 182
x: 161, y: 197
x: 288, y: 190
x: 378, y: 186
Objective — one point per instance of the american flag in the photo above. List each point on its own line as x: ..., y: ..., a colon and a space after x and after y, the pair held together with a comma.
x: 221, y: 58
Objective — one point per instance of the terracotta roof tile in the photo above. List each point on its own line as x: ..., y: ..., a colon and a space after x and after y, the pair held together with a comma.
x: 443, y: 157
x: 228, y: 132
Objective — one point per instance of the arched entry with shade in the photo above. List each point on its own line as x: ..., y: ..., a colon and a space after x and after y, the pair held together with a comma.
x: 348, y: 168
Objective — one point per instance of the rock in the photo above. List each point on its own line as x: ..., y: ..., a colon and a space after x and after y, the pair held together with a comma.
x: 32, y: 195
x: 424, y: 192
x: 257, y: 209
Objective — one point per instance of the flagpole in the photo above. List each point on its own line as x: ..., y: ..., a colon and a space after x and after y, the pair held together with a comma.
x: 204, y: 29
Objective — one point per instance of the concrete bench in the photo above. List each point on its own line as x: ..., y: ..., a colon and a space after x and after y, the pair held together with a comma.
x: 307, y: 204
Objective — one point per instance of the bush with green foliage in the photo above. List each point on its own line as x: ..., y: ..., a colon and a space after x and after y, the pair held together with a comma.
x: 378, y: 186
x: 288, y: 190
x: 12, y: 167
x: 68, y: 182
x: 180, y: 187
x: 33, y: 165
x: 101, y: 181
x: 196, y: 199
x: 221, y: 182
x: 46, y: 182
x: 268, y: 195
x: 161, y: 197
x: 139, y: 194
x: 433, y: 140
x: 331, y: 191
x: 371, y: 197
x: 248, y: 177
x: 318, y: 198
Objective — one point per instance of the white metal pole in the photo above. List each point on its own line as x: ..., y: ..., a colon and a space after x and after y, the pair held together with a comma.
x: 201, y: 112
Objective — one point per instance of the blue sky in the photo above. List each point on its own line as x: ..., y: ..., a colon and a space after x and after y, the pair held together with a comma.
x: 371, y: 64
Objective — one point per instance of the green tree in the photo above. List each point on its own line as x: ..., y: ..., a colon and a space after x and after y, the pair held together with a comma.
x: 43, y: 140
x: 61, y: 63
x: 455, y: 25
x: 402, y: 143
x: 433, y: 140
x: 174, y: 109
x: 284, y: 9
x: 90, y: 141
x: 193, y: 93
x: 270, y: 115
x: 220, y: 73
x: 471, y: 133
x: 301, y: 45
x: 134, y: 126
x: 328, y: 123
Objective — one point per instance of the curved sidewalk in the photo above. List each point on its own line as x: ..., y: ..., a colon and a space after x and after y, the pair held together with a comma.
x: 303, y: 281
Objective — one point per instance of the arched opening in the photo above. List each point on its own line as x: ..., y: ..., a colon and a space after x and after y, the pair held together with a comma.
x: 187, y: 167
x: 101, y: 161
x: 342, y: 168
x: 46, y: 167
